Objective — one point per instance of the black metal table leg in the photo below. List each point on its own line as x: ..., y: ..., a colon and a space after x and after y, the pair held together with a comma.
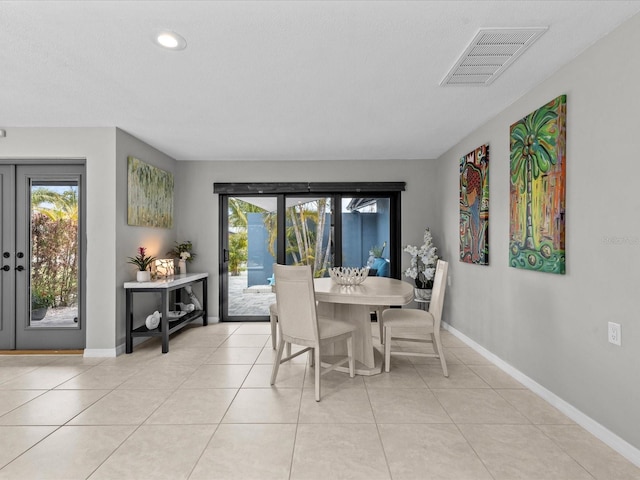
x: 205, y: 319
x: 165, y: 322
x: 129, y: 323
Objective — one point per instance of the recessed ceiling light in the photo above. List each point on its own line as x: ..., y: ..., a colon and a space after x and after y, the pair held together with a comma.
x: 170, y: 40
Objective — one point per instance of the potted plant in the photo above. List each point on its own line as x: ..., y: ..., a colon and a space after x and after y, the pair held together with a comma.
x: 40, y: 303
x: 377, y: 263
x: 423, y: 266
x: 184, y: 252
x: 377, y: 251
x: 143, y: 263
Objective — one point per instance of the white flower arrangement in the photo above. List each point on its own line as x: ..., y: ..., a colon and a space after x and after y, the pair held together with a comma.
x: 183, y: 251
x: 423, y: 262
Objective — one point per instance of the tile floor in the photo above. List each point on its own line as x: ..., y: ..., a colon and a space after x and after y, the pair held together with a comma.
x: 205, y: 410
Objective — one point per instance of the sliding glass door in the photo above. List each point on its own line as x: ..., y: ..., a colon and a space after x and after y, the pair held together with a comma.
x: 367, y: 234
x: 249, y: 250
x: 332, y: 228
x: 309, y: 233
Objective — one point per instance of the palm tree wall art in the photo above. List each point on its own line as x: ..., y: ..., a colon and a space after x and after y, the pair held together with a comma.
x: 537, y: 211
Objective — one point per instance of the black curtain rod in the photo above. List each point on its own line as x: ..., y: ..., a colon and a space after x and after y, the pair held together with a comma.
x: 308, y: 187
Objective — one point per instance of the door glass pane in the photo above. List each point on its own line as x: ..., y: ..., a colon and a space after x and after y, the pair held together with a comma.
x: 53, y: 285
x: 310, y: 233
x: 366, y: 234
x: 252, y: 253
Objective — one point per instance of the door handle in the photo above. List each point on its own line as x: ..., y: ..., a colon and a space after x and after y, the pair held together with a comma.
x: 6, y: 268
x: 19, y: 268
x: 226, y: 255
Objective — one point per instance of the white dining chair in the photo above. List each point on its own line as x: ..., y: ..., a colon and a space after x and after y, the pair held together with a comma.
x: 394, y: 319
x: 273, y: 320
x: 299, y: 323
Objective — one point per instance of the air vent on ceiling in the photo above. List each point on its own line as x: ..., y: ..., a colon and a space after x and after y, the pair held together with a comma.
x: 489, y: 54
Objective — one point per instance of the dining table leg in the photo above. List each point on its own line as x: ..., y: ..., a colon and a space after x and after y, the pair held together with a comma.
x: 368, y: 360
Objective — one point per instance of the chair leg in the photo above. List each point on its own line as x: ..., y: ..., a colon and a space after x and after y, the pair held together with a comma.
x: 311, y: 355
x: 316, y: 354
x: 352, y: 361
x: 274, y: 337
x: 288, y: 349
x: 437, y: 345
x: 387, y: 348
x: 276, y: 361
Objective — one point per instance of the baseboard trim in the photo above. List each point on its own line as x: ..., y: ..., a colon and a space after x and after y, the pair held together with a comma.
x: 41, y: 352
x: 100, y: 352
x: 620, y: 445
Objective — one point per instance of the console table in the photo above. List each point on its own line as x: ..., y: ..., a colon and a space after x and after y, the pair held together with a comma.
x: 167, y: 326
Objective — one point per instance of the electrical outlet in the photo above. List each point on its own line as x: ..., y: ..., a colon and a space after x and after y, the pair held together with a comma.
x: 614, y: 333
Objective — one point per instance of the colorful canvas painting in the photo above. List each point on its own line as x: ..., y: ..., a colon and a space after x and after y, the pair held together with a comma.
x: 538, y: 167
x: 474, y: 206
x: 150, y: 195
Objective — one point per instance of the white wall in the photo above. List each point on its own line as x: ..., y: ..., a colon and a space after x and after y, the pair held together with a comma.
x: 198, y: 206
x: 553, y: 328
x: 97, y: 146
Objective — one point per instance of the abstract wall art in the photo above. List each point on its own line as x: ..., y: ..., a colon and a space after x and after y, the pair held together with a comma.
x: 474, y: 206
x: 538, y: 170
x: 150, y: 195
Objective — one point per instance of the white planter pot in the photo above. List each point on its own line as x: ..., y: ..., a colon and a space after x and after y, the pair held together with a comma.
x: 182, y: 266
x: 143, y: 276
x: 422, y: 294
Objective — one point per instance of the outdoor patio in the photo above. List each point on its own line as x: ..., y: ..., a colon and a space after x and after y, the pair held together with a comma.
x: 245, y: 300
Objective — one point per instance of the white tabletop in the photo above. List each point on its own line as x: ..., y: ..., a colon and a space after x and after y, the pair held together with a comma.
x: 168, y: 282
x: 373, y: 291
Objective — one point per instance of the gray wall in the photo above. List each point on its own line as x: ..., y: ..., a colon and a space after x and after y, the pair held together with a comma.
x: 553, y: 328
x: 198, y: 206
x: 128, y: 238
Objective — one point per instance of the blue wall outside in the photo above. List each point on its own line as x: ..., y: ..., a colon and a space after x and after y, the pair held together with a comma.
x: 360, y: 232
x: 260, y: 261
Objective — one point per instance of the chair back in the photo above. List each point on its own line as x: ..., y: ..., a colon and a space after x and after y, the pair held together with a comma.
x: 295, y: 297
x: 437, y: 293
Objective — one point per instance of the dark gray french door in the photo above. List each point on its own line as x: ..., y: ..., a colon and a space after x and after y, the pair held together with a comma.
x: 41, y: 231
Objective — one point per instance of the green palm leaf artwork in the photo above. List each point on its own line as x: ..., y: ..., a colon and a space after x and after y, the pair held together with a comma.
x: 538, y: 167
x: 150, y: 195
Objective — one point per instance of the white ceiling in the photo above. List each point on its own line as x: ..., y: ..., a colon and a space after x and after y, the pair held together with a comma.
x: 271, y: 80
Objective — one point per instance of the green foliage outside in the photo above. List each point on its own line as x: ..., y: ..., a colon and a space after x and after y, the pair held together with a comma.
x: 238, y: 238
x: 306, y: 225
x: 54, y: 248
x: 237, y: 252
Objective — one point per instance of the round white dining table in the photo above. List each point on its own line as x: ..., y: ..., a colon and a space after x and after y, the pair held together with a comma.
x: 354, y: 304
